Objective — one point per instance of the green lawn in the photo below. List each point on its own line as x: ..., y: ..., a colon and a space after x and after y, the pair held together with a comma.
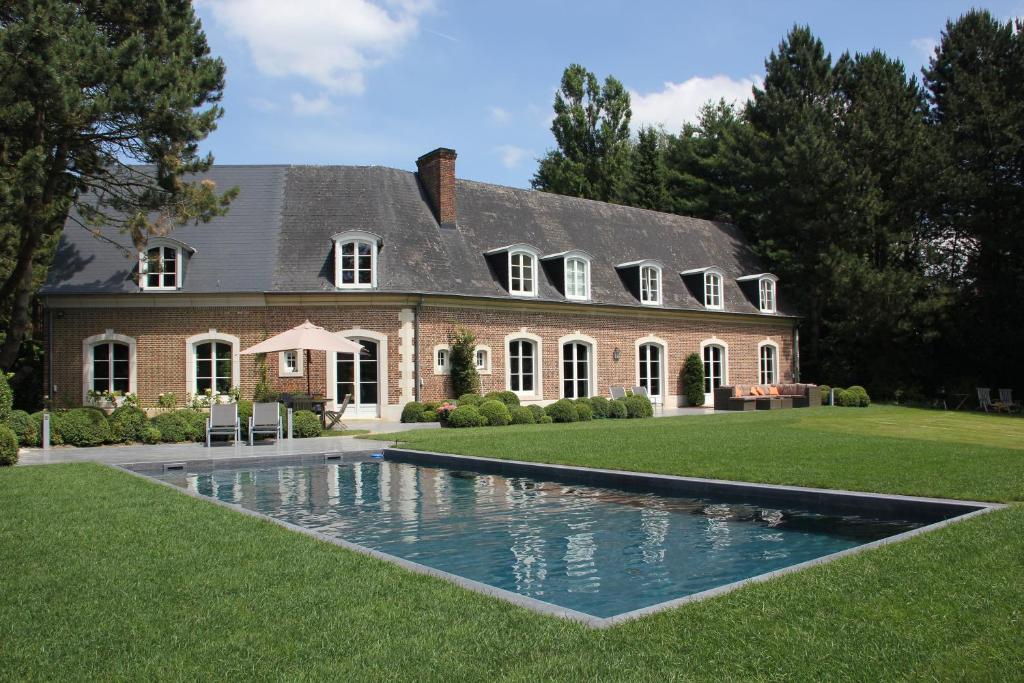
x: 883, y: 449
x: 107, y: 576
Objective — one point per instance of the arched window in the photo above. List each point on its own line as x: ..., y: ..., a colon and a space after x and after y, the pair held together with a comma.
x: 355, y: 260
x: 577, y: 361
x: 650, y: 285
x: 482, y: 359
x: 522, y: 273
x: 712, y: 290
x: 769, y: 363
x: 213, y: 367
x: 111, y: 367
x: 650, y: 366
x: 160, y: 268
x: 766, y: 291
x: 715, y: 358
x: 577, y: 278
x: 522, y: 366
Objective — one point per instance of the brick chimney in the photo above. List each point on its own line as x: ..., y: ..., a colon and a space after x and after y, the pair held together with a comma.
x: 436, y: 171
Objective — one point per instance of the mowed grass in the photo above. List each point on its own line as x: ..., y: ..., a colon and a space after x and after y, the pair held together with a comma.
x: 883, y: 449
x: 104, y: 575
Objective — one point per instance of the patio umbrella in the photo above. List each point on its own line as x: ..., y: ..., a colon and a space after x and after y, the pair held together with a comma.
x: 303, y: 338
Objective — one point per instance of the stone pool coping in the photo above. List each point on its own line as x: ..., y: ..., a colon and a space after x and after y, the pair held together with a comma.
x: 833, y: 499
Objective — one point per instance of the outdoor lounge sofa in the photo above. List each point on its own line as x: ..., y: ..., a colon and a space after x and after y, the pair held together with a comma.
x: 739, y: 397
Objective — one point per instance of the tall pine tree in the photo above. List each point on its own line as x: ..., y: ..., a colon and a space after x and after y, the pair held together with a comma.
x: 647, y: 180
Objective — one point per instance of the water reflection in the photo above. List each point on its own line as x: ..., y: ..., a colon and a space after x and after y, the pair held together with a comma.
x: 596, y: 550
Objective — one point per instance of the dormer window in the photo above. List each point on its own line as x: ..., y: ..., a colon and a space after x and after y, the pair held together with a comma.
x: 516, y: 267
x: 577, y: 278
x: 355, y: 260
x: 766, y: 292
x: 712, y: 290
x: 650, y: 285
x: 162, y: 265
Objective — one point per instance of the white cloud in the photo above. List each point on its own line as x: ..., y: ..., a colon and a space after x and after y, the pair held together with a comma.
x: 310, y: 106
x: 332, y: 43
x: 678, y: 103
x: 926, y: 46
x: 511, y: 156
x: 499, y: 115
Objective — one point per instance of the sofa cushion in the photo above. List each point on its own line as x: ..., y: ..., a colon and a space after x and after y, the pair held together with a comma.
x: 773, y: 390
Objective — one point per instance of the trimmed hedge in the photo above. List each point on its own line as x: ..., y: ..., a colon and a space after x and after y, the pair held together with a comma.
x: 617, y: 409
x: 150, y: 435
x: 495, y: 412
x: 181, y: 425
x: 470, y: 400
x: 845, y: 399
x: 600, y: 406
x: 305, y: 424
x: 861, y: 394
x: 24, y: 427
x: 584, y: 413
x: 82, y: 426
x: 523, y: 416
x: 8, y: 446
x: 507, y: 397
x: 466, y: 416
x: 127, y: 424
x: 638, y: 407
x: 538, y: 411
x: 545, y: 420
x: 562, y: 410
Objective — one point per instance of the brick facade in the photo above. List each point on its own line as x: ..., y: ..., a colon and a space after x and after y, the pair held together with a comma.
x: 161, y: 337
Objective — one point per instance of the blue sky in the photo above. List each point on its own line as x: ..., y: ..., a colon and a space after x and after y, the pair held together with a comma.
x: 383, y: 81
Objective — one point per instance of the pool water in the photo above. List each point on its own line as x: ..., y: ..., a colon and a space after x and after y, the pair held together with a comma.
x: 599, y: 551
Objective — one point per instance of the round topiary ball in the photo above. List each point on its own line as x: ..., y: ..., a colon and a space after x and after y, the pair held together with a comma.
x: 522, y: 416
x: 470, y: 400
x: 495, y: 412
x: 466, y: 416
x: 638, y: 406
x: 600, y: 406
x: 507, y: 397
x: 545, y: 420
x: 412, y: 412
x: 8, y: 446
x: 861, y: 394
x: 24, y: 427
x: 127, y: 424
x: 538, y: 411
x: 617, y: 409
x: 584, y: 413
x: 150, y: 435
x: 562, y: 410
x: 305, y: 424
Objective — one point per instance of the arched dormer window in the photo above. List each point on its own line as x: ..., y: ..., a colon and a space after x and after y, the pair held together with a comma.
x: 517, y: 266
x: 355, y: 259
x: 162, y: 264
x: 766, y: 294
x: 650, y: 285
x: 570, y: 272
x: 713, y: 290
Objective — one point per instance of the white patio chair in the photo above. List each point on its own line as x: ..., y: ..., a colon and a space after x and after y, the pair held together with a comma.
x: 223, y: 421
x: 1006, y: 398
x: 265, y: 419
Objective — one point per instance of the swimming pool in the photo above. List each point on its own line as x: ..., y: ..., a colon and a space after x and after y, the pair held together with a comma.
x: 592, y: 545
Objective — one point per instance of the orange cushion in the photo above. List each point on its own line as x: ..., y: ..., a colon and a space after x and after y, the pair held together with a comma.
x: 753, y: 391
x: 757, y: 391
x: 773, y: 391
x: 736, y: 392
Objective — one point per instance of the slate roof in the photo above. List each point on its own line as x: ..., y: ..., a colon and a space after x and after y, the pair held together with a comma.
x: 276, y: 238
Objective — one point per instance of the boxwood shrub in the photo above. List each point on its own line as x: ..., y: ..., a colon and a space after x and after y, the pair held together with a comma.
x: 638, y: 406
x: 538, y: 411
x: 305, y: 424
x: 495, y: 412
x: 845, y: 399
x: 150, y: 435
x: 412, y: 412
x: 584, y: 413
x: 429, y: 412
x: 600, y: 406
x: 244, y: 413
x: 8, y: 446
x: 861, y: 394
x: 522, y: 415
x: 617, y: 409
x: 24, y: 427
x: 81, y: 426
x: 545, y: 420
x: 507, y: 397
x: 127, y: 423
x: 562, y: 410
x: 470, y: 400
x: 466, y: 416
x: 181, y: 425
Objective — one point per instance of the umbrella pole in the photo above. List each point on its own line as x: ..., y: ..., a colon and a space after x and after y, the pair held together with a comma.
x: 310, y: 393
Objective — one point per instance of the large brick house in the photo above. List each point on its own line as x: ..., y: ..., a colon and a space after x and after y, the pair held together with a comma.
x: 565, y: 296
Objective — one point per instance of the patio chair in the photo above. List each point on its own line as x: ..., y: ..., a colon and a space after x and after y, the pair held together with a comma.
x: 332, y: 418
x: 617, y: 392
x: 642, y: 391
x: 1006, y: 398
x: 985, y: 401
x: 265, y: 419
x: 223, y: 421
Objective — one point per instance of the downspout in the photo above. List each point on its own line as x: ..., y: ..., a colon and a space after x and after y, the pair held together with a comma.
x: 416, y: 349
x: 49, y: 356
x: 796, y: 354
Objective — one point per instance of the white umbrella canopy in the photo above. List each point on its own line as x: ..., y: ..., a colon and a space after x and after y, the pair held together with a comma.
x: 306, y: 337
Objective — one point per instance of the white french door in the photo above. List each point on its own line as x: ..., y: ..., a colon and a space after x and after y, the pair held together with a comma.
x: 649, y: 370
x: 714, y: 371
x: 361, y: 378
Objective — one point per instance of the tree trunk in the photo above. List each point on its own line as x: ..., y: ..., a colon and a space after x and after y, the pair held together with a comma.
x: 19, y: 288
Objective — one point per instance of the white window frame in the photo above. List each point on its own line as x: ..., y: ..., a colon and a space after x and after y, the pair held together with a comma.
x: 179, y: 263
x: 383, y: 374
x: 663, y: 363
x: 282, y: 364
x: 484, y: 369
x: 446, y: 367
x: 534, y: 273
x: 211, y: 336
x: 714, y: 296
x: 774, y: 378
x: 355, y: 237
x: 577, y: 338
x: 766, y: 284
x: 87, y: 367
x: 577, y: 258
x: 645, y: 292
x: 715, y: 341
x: 538, y: 365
